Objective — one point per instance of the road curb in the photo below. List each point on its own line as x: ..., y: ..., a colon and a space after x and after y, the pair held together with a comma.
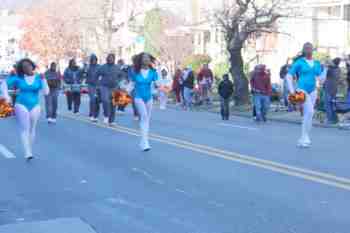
x: 294, y: 122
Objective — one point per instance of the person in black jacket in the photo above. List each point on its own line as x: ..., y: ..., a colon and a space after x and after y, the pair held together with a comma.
x: 188, y: 84
x: 225, y: 90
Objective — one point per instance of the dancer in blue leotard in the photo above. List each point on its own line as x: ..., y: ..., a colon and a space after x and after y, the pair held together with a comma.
x: 27, y: 107
x: 309, y: 70
x: 144, y: 75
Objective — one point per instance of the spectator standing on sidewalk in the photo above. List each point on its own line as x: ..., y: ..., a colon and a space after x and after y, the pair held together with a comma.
x: 330, y: 88
x: 188, y: 85
x: 205, y: 80
x: 283, y: 75
x: 177, y: 85
x: 261, y: 89
x: 225, y: 90
x: 53, y: 78
x: 348, y: 77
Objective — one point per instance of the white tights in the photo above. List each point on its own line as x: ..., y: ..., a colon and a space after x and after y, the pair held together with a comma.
x: 163, y: 99
x: 144, y: 109
x: 27, y: 121
x: 308, y: 116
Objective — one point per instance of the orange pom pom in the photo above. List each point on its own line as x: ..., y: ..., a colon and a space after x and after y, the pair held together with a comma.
x: 297, y: 98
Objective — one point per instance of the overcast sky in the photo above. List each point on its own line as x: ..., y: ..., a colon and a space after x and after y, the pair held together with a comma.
x: 15, y: 3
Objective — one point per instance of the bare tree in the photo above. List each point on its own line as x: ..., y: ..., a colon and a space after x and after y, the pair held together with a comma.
x: 241, y: 20
x: 103, y: 19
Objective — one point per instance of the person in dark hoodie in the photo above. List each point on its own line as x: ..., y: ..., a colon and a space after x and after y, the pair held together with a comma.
x: 109, y: 76
x: 53, y: 78
x: 72, y: 78
x: 188, y: 85
x: 92, y: 82
x: 225, y: 90
x: 330, y: 88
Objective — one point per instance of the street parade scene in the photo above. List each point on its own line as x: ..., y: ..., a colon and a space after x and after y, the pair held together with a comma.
x: 174, y: 116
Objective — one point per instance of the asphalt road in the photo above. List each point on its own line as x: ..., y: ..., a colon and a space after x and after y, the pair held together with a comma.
x: 202, y: 176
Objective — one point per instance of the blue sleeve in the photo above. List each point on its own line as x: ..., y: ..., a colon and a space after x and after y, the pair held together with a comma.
x: 12, y: 81
x: 319, y: 69
x: 294, y: 68
x: 155, y: 76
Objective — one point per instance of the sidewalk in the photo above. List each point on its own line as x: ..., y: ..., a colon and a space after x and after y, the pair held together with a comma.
x: 276, y: 113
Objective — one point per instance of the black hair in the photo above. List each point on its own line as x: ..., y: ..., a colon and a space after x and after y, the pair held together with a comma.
x: 336, y: 61
x: 19, y: 66
x: 138, y: 61
x: 226, y: 76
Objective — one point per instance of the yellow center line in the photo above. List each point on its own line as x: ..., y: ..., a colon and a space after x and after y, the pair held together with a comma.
x: 306, y: 174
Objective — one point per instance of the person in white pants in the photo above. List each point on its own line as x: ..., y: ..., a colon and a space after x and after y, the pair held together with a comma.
x: 308, y: 70
x: 144, y: 76
x: 27, y: 107
x: 165, y: 83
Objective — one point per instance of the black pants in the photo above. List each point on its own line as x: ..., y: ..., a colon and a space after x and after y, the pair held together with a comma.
x: 225, y: 108
x: 73, y: 99
x: 121, y: 108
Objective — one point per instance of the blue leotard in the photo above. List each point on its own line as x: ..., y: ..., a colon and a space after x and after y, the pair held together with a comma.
x: 28, y: 95
x: 143, y: 85
x: 307, y: 74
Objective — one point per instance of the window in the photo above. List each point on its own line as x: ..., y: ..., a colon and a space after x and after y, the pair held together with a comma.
x: 347, y: 12
x: 206, y: 37
x: 217, y: 36
x: 329, y: 12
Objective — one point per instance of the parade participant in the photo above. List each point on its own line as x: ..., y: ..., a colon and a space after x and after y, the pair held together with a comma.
x: 144, y: 76
x: 177, y: 85
x: 27, y: 107
x: 110, y: 76
x: 73, y: 78
x: 92, y: 82
x: 51, y: 100
x: 225, y: 91
x: 261, y: 89
x: 308, y: 71
x: 164, y: 88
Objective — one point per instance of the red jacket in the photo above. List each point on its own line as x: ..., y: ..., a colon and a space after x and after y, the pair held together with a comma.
x: 205, y: 73
x: 261, y: 84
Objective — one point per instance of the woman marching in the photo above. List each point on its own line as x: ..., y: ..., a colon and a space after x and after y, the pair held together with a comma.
x: 144, y: 75
x: 308, y: 70
x: 27, y: 107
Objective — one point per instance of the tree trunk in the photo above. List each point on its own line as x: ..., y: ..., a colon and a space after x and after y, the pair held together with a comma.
x: 241, y: 94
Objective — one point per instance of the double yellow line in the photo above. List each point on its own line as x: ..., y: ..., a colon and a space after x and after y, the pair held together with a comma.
x: 305, y: 174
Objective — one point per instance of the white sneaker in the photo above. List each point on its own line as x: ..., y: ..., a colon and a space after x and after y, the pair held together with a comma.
x: 145, y: 146
x: 304, y: 144
x: 105, y: 120
x: 121, y: 113
x: 113, y: 124
x: 136, y: 118
x: 92, y: 119
x: 53, y: 120
x: 95, y: 120
x: 49, y: 120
